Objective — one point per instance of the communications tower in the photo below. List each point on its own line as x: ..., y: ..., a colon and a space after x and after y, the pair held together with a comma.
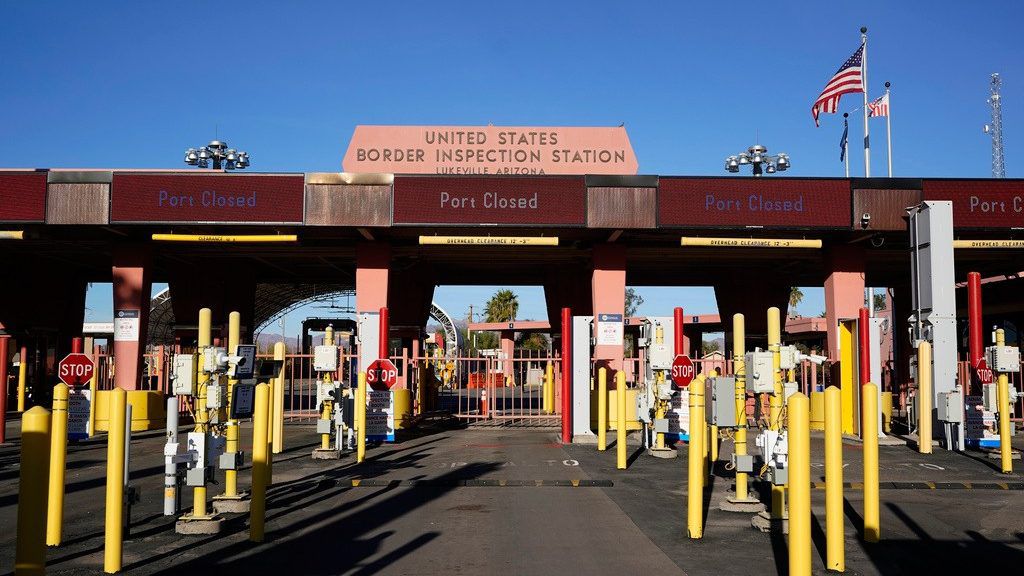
x: 995, y: 129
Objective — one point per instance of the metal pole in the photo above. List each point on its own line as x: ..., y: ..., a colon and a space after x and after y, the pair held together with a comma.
x: 834, y: 527
x: 3, y: 387
x: 677, y: 330
x: 798, y: 409
x: 602, y: 408
x: 775, y: 402
x: 231, y: 442
x: 869, y: 405
x: 385, y: 333
x: 739, y: 371
x: 58, y: 457
x: 22, y: 377
x: 974, y: 342
x: 170, y: 468
x: 360, y: 421
x: 888, y: 128
x: 924, y: 397
x: 276, y: 431
x: 30, y: 551
x: 695, y: 461
x: 260, y: 454
x: 113, y: 541
x: 1003, y: 397
x: 127, y: 467
x: 567, y: 375
x: 864, y: 75
x: 621, y: 420
x: 204, y: 341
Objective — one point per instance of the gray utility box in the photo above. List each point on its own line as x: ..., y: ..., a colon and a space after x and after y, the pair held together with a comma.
x: 760, y: 372
x: 720, y: 399
x: 950, y: 407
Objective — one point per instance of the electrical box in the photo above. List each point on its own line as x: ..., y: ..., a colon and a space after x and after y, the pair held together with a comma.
x: 789, y: 388
x: 243, y: 400
x: 950, y: 407
x: 215, y: 360
x: 990, y: 397
x: 231, y: 460
x: 216, y: 395
x: 183, y: 374
x: 1003, y: 359
x: 760, y: 372
x: 325, y: 358
x: 744, y: 463
x: 720, y: 399
x: 787, y: 357
x: 245, y: 364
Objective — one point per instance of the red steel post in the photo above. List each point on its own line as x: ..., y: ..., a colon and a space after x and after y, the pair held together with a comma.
x: 3, y: 387
x: 76, y: 345
x: 864, y: 352
x: 385, y: 331
x: 974, y: 341
x: 678, y: 331
x: 566, y: 375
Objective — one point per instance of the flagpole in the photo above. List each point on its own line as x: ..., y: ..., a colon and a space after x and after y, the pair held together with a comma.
x: 864, y: 76
x: 888, y: 126
x: 846, y: 146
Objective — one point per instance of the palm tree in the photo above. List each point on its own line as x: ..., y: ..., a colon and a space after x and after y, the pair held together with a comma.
x: 502, y: 307
x: 795, y: 297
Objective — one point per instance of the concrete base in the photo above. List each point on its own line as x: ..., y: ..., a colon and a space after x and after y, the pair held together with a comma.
x: 765, y: 523
x: 329, y: 454
x: 231, y: 504
x: 887, y: 440
x: 747, y: 506
x: 199, y: 525
x: 995, y: 455
x: 667, y: 453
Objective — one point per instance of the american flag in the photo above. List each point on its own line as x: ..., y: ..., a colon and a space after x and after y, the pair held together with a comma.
x: 846, y: 80
x: 880, y: 107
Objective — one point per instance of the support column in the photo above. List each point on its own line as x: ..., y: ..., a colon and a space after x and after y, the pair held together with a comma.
x: 132, y: 288
x: 608, y: 289
x: 567, y: 287
x: 844, y: 290
x: 508, y: 349
x: 751, y: 301
x: 373, y: 267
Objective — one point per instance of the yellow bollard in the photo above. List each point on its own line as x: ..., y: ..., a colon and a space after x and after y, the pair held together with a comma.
x: 93, y: 389
x: 30, y: 551
x: 835, y: 553
x: 276, y: 433
x: 361, y: 418
x: 739, y: 371
x: 202, y: 416
x: 22, y: 377
x: 799, y: 426
x: 112, y: 541
x: 924, y: 397
x: 620, y: 425
x: 602, y: 409
x: 695, y: 462
x: 713, y: 446
x: 1003, y: 398
x: 260, y: 454
x: 58, y: 455
x: 869, y: 423
x: 778, y: 509
x: 887, y: 412
x: 231, y: 443
x: 549, y: 382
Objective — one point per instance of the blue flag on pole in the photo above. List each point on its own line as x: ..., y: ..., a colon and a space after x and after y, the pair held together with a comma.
x: 842, y: 141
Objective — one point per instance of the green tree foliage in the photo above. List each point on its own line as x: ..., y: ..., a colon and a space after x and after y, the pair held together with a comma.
x: 707, y: 347
x: 633, y: 301
x: 796, y: 296
x: 502, y: 307
x: 533, y: 341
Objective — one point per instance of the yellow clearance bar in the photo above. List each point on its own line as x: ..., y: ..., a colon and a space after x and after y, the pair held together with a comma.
x: 218, y: 238
x: 489, y: 240
x: 988, y: 243
x: 750, y: 242
x: 12, y: 234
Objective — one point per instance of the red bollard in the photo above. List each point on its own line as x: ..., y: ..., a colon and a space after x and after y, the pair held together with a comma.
x: 864, y: 338
x: 566, y: 375
x: 483, y: 402
x: 3, y: 387
x: 385, y: 332
x: 974, y: 341
x: 678, y: 331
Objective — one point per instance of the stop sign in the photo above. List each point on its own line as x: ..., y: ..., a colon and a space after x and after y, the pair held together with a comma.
x: 984, y: 372
x: 75, y: 369
x: 682, y: 371
x: 382, y: 374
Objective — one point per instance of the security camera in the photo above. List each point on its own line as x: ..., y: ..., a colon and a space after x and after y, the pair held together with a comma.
x: 865, y: 219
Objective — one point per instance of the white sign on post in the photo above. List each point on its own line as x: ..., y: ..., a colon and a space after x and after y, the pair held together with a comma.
x: 679, y: 414
x: 610, y: 331
x: 79, y: 400
x: 380, y: 415
x: 126, y: 326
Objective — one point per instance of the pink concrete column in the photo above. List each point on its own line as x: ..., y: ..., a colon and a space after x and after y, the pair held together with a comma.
x: 844, y: 290
x: 373, y: 265
x: 132, y: 292
x: 608, y: 290
x: 508, y: 349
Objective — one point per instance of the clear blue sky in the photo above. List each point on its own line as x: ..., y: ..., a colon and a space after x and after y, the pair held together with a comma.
x: 96, y: 84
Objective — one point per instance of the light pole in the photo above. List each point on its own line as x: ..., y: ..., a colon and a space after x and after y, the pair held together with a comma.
x: 222, y: 156
x: 760, y: 161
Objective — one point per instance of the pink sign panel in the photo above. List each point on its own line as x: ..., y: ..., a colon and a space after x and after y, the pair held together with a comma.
x: 754, y: 202
x: 489, y: 150
x: 239, y: 198
x: 981, y: 203
x: 519, y: 201
x: 22, y: 196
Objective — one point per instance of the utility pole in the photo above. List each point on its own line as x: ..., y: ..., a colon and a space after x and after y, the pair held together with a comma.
x: 995, y: 129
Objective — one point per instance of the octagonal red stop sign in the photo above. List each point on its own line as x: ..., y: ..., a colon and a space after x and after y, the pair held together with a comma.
x: 75, y: 369
x: 382, y: 374
x: 984, y: 372
x: 682, y: 371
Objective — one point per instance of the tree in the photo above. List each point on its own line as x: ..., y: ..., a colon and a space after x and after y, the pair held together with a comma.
x: 502, y: 307
x: 796, y: 296
x: 533, y: 341
x: 707, y: 347
x: 879, y: 300
x: 633, y: 302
